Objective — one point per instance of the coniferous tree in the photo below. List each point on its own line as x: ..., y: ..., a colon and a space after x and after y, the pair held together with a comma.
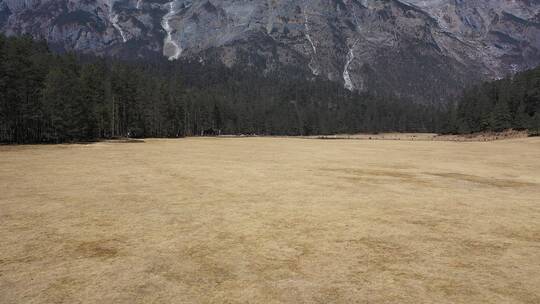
x: 55, y: 98
x: 500, y: 117
x: 509, y: 103
x: 64, y: 118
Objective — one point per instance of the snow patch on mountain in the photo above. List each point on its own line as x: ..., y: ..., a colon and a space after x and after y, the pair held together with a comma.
x: 346, y: 74
x: 312, y: 64
x: 171, y: 48
x: 115, y: 18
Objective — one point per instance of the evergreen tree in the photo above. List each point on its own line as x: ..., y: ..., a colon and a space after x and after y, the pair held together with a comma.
x: 93, y: 107
x: 64, y: 118
x: 55, y: 98
x: 535, y: 124
x: 500, y: 105
x: 500, y: 117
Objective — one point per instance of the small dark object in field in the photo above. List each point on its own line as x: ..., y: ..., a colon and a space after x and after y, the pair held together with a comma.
x: 211, y: 132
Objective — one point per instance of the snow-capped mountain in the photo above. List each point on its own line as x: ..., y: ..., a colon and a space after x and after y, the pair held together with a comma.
x: 420, y: 49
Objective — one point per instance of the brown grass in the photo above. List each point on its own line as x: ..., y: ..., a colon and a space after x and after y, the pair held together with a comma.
x: 475, y: 137
x: 271, y: 220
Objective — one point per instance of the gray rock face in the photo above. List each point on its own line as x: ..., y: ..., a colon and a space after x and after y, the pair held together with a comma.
x: 415, y: 48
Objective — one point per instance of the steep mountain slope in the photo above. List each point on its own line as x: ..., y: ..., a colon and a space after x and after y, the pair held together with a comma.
x: 420, y: 49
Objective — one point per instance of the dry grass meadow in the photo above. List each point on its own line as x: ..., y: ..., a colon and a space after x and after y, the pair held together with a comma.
x: 271, y: 220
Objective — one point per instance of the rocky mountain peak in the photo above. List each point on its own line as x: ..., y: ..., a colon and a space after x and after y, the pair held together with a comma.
x: 414, y: 48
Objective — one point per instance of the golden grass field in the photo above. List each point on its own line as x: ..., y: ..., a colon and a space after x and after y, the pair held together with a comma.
x: 271, y: 220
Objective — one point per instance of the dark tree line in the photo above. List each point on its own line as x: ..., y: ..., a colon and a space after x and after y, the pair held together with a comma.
x: 510, y: 103
x: 51, y: 98
x: 46, y: 97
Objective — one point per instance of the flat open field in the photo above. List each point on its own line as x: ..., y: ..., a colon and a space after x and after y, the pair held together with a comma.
x: 271, y: 220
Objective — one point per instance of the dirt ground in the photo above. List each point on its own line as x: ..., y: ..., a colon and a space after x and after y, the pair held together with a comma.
x: 271, y: 220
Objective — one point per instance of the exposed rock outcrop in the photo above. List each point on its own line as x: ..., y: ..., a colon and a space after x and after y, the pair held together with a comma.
x: 419, y: 49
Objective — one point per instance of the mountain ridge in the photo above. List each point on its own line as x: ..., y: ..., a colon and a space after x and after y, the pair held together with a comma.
x: 425, y: 50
